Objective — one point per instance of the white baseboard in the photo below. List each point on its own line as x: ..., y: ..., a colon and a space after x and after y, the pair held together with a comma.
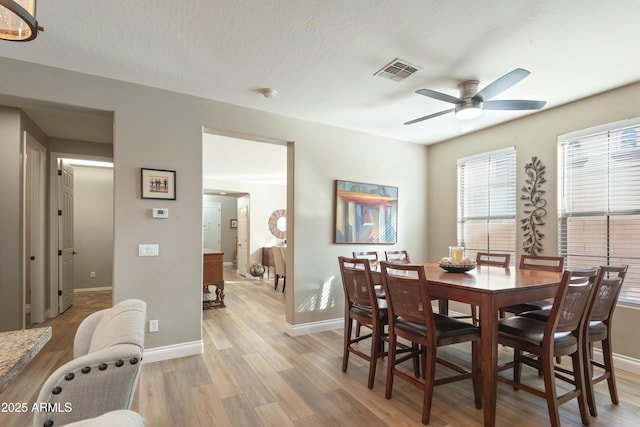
x: 99, y: 288
x: 313, y: 327
x: 174, y: 351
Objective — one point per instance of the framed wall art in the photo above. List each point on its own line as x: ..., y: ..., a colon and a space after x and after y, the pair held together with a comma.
x: 158, y: 184
x: 365, y: 213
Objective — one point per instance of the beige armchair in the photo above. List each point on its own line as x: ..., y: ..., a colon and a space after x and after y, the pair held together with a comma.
x: 281, y: 266
x: 103, y: 374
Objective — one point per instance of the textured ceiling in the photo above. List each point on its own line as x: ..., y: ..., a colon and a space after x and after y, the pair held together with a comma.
x: 320, y: 55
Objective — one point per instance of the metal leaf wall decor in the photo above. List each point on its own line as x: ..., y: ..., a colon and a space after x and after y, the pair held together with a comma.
x: 534, y: 207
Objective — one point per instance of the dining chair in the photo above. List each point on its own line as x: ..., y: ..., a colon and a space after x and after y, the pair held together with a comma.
x: 493, y: 258
x: 561, y: 335
x: 362, y: 306
x: 598, y: 329
x: 535, y: 262
x: 487, y: 258
x: 280, y: 271
x: 397, y: 257
x: 372, y: 256
x: 411, y: 317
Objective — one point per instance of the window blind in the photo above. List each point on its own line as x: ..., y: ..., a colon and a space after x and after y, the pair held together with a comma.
x: 599, y: 203
x: 487, y: 202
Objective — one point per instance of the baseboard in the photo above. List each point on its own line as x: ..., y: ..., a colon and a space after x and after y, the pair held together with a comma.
x: 313, y: 327
x: 99, y: 288
x: 174, y: 351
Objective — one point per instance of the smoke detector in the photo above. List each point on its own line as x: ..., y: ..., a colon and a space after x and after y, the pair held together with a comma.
x: 269, y: 93
x: 397, y: 70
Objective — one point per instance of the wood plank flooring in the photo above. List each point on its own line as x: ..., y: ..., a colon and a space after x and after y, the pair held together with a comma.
x: 253, y: 374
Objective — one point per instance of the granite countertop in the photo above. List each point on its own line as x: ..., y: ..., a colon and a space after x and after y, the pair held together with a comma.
x: 17, y: 348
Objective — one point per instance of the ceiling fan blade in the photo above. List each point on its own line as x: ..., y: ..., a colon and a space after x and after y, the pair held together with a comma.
x: 501, y: 84
x: 515, y: 104
x: 430, y: 116
x: 440, y: 96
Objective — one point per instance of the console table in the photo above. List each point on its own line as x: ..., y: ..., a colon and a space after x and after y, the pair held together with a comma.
x: 212, y: 275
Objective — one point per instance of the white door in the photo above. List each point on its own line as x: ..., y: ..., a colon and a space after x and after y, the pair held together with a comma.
x: 65, y: 238
x: 35, y: 199
x: 211, y: 225
x: 243, y: 235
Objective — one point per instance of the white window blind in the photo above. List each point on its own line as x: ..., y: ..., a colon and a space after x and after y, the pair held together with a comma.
x: 599, y: 203
x: 487, y: 202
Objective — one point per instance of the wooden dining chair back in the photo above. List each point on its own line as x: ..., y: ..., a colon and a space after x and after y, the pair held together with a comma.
x: 411, y: 317
x: 541, y: 263
x: 362, y: 306
x: 598, y: 328
x: 281, y: 267
x: 372, y: 256
x: 397, y: 257
x: 492, y: 258
x: 561, y: 335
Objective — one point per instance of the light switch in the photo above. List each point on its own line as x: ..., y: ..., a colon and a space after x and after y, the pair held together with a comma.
x: 160, y: 213
x: 148, y: 250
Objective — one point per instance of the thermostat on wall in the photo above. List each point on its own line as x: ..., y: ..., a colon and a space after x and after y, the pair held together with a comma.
x: 160, y: 213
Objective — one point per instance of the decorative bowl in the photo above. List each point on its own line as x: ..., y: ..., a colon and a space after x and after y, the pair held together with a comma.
x: 457, y: 268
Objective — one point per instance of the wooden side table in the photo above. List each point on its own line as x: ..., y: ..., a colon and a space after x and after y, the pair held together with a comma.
x: 212, y: 274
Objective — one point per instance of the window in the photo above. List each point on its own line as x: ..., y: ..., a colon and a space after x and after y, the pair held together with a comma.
x: 487, y: 202
x: 599, y: 201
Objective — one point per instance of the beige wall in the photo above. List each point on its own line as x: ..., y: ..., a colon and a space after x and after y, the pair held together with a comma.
x: 535, y: 135
x: 93, y: 226
x: 159, y: 129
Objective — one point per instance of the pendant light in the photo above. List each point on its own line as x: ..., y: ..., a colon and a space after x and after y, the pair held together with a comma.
x: 18, y: 20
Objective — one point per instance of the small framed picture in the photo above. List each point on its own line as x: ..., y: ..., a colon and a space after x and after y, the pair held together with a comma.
x: 234, y: 223
x: 158, y: 184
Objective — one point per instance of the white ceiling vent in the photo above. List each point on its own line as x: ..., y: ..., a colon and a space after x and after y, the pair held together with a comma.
x: 397, y: 70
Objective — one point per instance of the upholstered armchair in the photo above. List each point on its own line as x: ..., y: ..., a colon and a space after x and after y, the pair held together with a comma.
x: 103, y: 374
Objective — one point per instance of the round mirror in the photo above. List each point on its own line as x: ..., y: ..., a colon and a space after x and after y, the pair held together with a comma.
x: 278, y: 223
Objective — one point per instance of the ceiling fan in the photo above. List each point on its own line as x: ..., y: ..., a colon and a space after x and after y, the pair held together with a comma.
x: 471, y: 102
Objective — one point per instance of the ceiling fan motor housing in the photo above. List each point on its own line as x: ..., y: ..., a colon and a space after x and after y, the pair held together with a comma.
x: 468, y: 90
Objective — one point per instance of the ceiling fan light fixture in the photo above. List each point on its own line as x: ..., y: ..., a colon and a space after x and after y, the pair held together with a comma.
x: 18, y: 20
x: 470, y: 109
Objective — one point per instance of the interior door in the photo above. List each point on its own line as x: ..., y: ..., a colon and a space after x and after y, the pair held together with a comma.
x: 243, y: 235
x: 65, y: 237
x: 212, y: 225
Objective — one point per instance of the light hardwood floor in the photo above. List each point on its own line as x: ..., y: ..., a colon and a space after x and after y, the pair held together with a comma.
x: 253, y: 374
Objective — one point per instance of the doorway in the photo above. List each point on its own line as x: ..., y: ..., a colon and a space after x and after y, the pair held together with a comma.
x: 81, y: 227
x: 254, y: 171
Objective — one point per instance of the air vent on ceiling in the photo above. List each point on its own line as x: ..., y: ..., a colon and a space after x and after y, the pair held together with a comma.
x: 397, y: 70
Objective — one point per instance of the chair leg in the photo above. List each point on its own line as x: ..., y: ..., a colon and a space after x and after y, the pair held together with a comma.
x: 429, y: 379
x: 588, y: 374
x: 284, y: 283
x: 391, y: 361
x: 275, y: 281
x: 607, y: 354
x: 579, y: 374
x: 517, y: 368
x: 550, y: 390
x: 348, y: 325
x: 375, y: 351
x: 476, y: 379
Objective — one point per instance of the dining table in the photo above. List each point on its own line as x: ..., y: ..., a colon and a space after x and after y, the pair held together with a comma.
x: 489, y: 288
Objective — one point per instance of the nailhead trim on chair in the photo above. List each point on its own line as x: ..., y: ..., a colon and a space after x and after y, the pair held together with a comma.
x: 86, y: 369
x: 56, y: 390
x: 102, y: 366
x: 69, y: 376
x: 133, y: 361
x: 48, y: 423
x: 119, y: 363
